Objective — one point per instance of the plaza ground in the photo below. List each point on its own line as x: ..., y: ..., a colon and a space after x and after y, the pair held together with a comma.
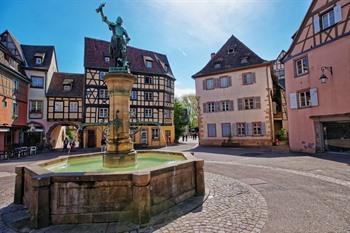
x: 303, y: 193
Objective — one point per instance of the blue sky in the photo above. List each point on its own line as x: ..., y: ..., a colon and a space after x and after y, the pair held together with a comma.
x: 187, y: 31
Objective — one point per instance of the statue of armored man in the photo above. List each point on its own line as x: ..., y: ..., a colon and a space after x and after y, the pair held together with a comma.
x: 119, y: 41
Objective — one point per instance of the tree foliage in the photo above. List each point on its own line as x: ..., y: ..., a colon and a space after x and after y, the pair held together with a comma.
x: 180, y: 118
x: 191, y: 104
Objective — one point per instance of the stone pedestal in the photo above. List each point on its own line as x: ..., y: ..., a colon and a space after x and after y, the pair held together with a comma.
x: 120, y: 149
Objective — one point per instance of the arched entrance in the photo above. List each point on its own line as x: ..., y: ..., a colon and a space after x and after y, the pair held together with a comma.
x: 61, y: 130
x: 34, y: 135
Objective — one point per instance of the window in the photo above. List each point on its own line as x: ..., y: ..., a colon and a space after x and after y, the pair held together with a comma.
x: 37, y: 82
x: 210, y: 84
x: 15, y: 85
x: 167, y: 97
x: 35, y: 108
x: 249, y: 103
x: 241, y: 130
x: 133, y: 112
x: 148, y: 96
x: 59, y: 106
x: 226, y: 129
x: 103, y: 112
x: 230, y: 51
x: 133, y: 95
x: 217, y: 65
x: 225, y: 106
x: 38, y: 60
x: 211, y: 130
x: 304, y: 99
x: 167, y: 113
x: 148, y: 113
x: 302, y: 66
x: 257, y: 128
x: 103, y: 93
x: 155, y: 133
x: 4, y: 103
x: 211, y: 107
x: 14, y: 110
x: 107, y: 59
x: 67, y: 87
x: 327, y: 19
x: 248, y: 78
x: 224, y: 82
x: 149, y: 63
x: 73, y: 106
x: 102, y: 75
x: 244, y: 60
x: 148, y: 80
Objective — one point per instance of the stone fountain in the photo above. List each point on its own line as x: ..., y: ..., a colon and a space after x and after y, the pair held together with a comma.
x: 117, y: 186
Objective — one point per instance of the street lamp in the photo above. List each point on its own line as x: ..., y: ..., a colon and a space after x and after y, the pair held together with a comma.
x: 323, y: 77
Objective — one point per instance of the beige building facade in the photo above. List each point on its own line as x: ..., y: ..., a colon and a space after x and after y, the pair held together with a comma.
x: 235, y: 96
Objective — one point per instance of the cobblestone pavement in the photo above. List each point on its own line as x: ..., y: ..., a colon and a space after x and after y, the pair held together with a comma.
x: 231, y: 206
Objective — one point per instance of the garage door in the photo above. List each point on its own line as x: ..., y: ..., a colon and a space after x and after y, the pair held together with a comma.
x: 337, y: 136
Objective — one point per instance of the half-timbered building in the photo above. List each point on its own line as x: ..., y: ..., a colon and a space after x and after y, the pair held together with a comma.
x: 152, y: 96
x: 13, y: 93
x: 317, y: 69
x: 65, y: 106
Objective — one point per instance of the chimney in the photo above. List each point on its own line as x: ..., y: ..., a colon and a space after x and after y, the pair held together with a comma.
x: 212, y: 55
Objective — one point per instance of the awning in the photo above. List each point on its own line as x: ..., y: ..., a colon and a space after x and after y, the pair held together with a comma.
x: 3, y: 130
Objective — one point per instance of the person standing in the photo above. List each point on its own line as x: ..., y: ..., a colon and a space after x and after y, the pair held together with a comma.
x: 65, y: 144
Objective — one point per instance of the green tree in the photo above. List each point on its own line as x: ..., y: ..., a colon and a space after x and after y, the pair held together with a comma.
x: 180, y: 118
x: 191, y: 103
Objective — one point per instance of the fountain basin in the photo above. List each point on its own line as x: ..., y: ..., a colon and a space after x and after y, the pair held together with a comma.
x: 54, y: 196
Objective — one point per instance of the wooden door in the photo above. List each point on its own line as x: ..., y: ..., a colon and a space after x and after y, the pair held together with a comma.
x: 91, y: 138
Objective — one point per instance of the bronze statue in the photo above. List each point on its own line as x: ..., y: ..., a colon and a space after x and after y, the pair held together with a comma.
x: 119, y: 40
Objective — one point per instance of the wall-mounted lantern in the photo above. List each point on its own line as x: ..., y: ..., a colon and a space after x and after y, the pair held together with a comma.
x: 323, y: 77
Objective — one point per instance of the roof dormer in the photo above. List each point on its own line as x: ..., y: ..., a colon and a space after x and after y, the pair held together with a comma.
x: 67, y: 84
x: 39, y: 58
x: 148, y: 62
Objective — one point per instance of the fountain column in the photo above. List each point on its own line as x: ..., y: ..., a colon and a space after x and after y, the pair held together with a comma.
x: 120, y: 148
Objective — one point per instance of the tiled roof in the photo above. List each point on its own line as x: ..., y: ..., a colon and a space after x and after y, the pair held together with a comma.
x: 96, y: 50
x: 230, y: 57
x: 16, y: 51
x: 30, y: 50
x: 56, y: 85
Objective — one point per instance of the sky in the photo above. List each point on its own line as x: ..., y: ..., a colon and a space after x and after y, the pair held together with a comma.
x: 187, y: 31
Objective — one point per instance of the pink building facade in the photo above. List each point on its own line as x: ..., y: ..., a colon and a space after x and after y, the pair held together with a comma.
x: 317, y: 70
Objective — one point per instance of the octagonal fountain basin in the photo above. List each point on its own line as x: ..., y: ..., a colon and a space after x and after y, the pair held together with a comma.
x: 78, y: 189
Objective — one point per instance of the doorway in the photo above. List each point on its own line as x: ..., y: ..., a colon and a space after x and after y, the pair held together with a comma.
x: 91, y: 143
x: 144, y: 136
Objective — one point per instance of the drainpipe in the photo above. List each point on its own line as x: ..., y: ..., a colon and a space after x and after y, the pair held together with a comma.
x: 270, y: 105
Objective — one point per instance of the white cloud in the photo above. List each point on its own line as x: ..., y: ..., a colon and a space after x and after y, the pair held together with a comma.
x: 205, y: 21
x: 180, y: 91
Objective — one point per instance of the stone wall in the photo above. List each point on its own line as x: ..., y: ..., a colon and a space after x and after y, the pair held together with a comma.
x: 71, y: 198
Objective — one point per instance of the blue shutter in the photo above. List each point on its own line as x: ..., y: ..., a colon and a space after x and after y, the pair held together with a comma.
x: 234, y: 129
x: 337, y: 13
x: 263, y: 128
x: 249, y: 129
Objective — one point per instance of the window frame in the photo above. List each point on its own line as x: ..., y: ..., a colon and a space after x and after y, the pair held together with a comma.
x: 37, y: 77
x: 104, y: 95
x: 39, y: 59
x: 225, y: 105
x: 70, y: 106
x: 227, y: 78
x: 133, y: 95
x: 248, y: 76
x: 241, y: 129
x: 150, y: 80
x: 257, y: 128
x: 211, y: 104
x: 155, y: 133
x: 297, y: 74
x: 328, y: 14
x: 148, y: 113
x: 149, y: 95
x: 40, y: 111
x: 215, y: 133
x: 229, y: 131
x: 15, y: 110
x: 149, y: 63
x: 55, y: 106
x: 307, y: 102
x: 210, y: 80
x: 104, y: 112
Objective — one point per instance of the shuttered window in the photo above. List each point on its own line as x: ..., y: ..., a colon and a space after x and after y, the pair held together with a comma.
x: 302, y: 66
x: 258, y: 128
x: 248, y: 78
x: 241, y: 129
x: 249, y: 103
